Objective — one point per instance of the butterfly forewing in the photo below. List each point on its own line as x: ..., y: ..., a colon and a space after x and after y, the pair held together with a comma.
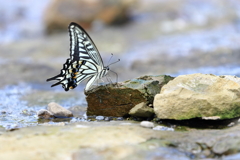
x: 84, y: 63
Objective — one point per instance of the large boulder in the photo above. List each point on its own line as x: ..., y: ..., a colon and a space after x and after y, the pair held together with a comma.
x: 199, y: 95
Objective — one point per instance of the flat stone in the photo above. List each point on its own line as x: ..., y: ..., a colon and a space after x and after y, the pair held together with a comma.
x: 58, y: 111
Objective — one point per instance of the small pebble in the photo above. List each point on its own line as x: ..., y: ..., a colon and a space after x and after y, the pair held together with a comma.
x: 107, y: 119
x: 44, y: 114
x: 3, y: 112
x: 162, y: 128
x: 120, y: 119
x: 147, y: 124
x: 59, y: 111
x: 99, y: 118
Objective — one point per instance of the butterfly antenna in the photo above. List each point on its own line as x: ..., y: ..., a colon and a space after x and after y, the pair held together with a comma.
x: 114, y: 62
x: 110, y: 59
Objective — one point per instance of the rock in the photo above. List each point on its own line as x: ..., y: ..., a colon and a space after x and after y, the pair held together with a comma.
x: 118, y: 100
x: 61, y: 12
x: 115, y: 102
x: 199, y: 95
x: 231, y: 124
x: 147, y: 124
x: 44, y: 114
x: 229, y: 145
x: 107, y: 118
x: 149, y: 86
x: 141, y: 110
x: 58, y: 111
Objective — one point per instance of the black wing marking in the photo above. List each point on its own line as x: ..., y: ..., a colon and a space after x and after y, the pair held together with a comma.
x: 84, y: 63
x: 82, y: 45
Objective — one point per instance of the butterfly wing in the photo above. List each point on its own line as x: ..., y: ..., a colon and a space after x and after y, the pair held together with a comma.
x: 85, y: 61
x: 82, y: 46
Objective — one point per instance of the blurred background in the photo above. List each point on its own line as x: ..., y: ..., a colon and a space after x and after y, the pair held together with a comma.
x: 149, y: 36
x: 154, y: 37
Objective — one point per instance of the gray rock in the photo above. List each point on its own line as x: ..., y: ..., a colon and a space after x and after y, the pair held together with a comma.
x: 141, y: 110
x: 149, y: 86
x: 147, y: 124
x: 199, y: 95
x: 44, y: 114
x: 59, y: 111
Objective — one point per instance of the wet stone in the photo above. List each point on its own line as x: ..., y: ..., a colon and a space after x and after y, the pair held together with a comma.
x: 44, y: 114
x: 58, y: 111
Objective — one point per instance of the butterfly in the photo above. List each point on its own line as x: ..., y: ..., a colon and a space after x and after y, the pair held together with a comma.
x: 85, y: 61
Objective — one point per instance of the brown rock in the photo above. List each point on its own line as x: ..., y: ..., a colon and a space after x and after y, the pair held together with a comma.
x: 44, y: 114
x: 61, y: 12
x: 59, y: 111
x: 118, y: 101
x: 115, y: 102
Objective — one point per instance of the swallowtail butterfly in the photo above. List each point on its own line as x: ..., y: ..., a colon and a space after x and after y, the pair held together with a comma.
x: 84, y: 63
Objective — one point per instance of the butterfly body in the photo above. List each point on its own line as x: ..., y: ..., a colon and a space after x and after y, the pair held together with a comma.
x: 84, y: 63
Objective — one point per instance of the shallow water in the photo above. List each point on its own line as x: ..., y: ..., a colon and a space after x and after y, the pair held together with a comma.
x: 19, y: 106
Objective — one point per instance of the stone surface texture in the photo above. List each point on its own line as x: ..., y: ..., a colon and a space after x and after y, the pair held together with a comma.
x: 118, y: 100
x: 141, y: 110
x: 44, y: 114
x: 59, y: 111
x: 199, y: 95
